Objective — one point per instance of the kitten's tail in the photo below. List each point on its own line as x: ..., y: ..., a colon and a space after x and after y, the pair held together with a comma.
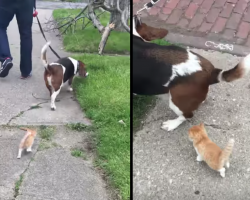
x: 24, y: 128
x: 32, y: 132
x: 226, y: 152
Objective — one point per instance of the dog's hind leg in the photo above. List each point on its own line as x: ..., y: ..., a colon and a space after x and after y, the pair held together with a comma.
x: 183, y: 100
x: 173, y: 124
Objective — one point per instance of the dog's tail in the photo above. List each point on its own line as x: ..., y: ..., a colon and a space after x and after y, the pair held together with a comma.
x: 43, y: 54
x: 239, y: 71
x: 226, y: 152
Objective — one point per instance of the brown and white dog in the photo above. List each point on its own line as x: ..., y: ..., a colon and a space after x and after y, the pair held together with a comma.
x: 56, y: 74
x: 185, y: 75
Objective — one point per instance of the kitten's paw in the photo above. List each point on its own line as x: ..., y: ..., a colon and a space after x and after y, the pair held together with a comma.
x: 227, y: 164
x: 199, y: 158
x: 222, y: 172
x: 170, y: 125
x: 18, y: 157
x: 29, y: 150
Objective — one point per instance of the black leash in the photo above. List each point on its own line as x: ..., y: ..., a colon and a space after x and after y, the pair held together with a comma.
x: 148, y: 5
x: 41, y: 29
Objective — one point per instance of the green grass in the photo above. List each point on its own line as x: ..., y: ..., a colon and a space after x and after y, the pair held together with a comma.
x: 17, y: 186
x: 78, y: 153
x: 141, y: 104
x: 105, y: 98
x: 88, y: 40
x: 46, y: 132
x: 77, y: 127
x: 161, y: 42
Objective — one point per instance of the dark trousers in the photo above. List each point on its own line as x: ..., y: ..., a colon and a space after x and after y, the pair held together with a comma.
x: 23, y: 9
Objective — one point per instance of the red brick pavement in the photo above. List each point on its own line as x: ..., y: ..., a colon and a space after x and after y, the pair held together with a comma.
x: 225, y: 20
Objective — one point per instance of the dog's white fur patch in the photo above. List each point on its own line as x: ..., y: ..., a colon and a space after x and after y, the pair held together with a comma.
x: 246, y: 64
x: 75, y: 63
x: 189, y: 67
x: 134, y: 29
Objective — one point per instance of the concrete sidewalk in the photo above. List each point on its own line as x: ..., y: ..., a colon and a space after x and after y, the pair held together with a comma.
x: 165, y: 165
x: 17, y: 96
x: 51, y: 172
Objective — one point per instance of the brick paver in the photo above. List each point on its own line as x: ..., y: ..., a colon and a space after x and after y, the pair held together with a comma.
x: 228, y: 20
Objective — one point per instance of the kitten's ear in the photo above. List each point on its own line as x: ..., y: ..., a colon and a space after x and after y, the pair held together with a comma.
x: 201, y: 124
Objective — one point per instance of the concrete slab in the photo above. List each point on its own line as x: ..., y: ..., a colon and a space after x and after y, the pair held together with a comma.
x: 55, y: 174
x: 16, y: 94
x: 165, y: 165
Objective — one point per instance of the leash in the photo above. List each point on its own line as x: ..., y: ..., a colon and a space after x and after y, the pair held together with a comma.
x: 41, y: 29
x: 148, y: 6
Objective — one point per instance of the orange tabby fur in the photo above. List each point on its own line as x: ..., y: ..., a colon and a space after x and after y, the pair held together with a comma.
x: 27, y: 141
x: 206, y: 150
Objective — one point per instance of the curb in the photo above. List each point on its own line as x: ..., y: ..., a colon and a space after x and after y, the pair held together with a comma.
x: 207, y: 44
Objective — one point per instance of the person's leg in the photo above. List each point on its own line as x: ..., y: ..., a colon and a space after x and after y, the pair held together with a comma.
x: 6, y: 15
x: 24, y: 16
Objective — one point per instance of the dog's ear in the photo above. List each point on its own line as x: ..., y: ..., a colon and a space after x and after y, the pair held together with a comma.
x: 149, y: 33
x: 82, y: 69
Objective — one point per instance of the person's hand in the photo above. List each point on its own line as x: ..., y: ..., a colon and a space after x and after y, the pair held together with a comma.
x: 35, y: 13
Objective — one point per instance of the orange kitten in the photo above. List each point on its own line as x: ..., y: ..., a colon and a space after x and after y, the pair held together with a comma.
x: 208, y: 151
x: 27, y: 141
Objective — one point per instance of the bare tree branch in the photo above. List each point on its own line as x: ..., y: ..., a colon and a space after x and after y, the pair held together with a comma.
x: 124, y: 13
x: 105, y: 36
x: 93, y: 17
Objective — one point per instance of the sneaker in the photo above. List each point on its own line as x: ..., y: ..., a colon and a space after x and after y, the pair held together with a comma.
x: 25, y: 77
x: 5, y: 67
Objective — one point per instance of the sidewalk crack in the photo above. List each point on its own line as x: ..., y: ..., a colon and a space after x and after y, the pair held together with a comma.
x: 22, y: 112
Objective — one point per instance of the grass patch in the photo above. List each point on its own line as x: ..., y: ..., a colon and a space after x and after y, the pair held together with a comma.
x: 43, y: 145
x: 78, y: 153
x: 88, y: 40
x: 77, y: 127
x: 17, y: 185
x: 141, y: 104
x: 105, y: 98
x: 164, y: 42
x: 46, y: 132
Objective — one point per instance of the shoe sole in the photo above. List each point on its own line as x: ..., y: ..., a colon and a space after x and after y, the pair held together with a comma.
x: 25, y: 77
x: 6, y: 70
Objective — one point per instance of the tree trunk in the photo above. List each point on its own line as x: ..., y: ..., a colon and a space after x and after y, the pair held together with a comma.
x: 116, y: 15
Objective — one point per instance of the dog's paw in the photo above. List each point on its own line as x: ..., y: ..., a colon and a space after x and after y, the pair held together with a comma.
x: 53, y: 108
x: 170, y: 125
x: 70, y: 89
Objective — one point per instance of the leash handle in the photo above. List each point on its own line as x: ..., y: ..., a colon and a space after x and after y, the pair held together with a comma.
x: 148, y: 5
x: 46, y: 39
